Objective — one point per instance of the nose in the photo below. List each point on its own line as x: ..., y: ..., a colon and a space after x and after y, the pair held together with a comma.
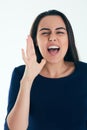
x: 52, y: 38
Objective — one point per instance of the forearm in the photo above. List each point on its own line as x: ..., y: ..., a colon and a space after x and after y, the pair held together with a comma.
x: 18, y: 117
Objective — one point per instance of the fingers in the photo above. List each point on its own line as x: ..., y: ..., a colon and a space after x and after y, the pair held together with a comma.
x: 30, y: 51
x: 30, y: 47
x: 42, y: 63
x: 24, y: 56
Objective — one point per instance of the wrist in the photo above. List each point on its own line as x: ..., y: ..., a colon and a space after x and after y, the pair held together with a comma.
x: 26, y: 81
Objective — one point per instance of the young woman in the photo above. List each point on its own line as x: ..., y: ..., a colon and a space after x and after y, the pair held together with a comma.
x: 49, y: 92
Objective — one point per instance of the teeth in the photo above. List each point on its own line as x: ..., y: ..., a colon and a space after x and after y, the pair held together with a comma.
x: 53, y: 47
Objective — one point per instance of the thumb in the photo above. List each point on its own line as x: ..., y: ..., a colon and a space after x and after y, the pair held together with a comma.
x: 42, y: 63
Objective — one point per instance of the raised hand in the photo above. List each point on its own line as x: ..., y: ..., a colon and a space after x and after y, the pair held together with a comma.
x: 33, y: 68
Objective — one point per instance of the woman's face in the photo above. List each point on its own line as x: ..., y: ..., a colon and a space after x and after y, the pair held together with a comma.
x: 52, y: 38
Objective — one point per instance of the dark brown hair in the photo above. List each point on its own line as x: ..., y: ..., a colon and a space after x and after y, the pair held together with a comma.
x: 71, y: 54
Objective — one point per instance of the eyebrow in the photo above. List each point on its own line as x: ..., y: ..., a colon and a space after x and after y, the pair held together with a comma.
x: 55, y: 29
x: 61, y: 28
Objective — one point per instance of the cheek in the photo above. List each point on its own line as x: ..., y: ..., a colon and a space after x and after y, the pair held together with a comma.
x: 39, y: 40
x: 65, y: 42
x: 41, y: 43
x: 41, y: 46
x: 65, y: 45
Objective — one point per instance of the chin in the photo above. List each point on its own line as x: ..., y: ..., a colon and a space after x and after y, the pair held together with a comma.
x: 53, y: 61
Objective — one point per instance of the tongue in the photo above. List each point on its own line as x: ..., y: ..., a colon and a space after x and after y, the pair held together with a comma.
x: 53, y: 52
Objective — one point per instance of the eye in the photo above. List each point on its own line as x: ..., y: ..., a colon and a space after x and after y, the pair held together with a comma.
x: 59, y: 32
x: 45, y: 33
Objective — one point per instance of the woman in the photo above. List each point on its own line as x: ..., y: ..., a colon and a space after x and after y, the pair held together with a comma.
x: 49, y: 92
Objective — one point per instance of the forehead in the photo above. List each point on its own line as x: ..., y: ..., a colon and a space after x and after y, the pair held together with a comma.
x: 51, y: 22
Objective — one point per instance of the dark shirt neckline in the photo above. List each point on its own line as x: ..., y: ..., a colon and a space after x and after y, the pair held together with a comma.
x: 61, y: 78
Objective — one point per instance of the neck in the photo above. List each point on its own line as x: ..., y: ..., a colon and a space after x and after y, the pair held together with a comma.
x: 54, y: 70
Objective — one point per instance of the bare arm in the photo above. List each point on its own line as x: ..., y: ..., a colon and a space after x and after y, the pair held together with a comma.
x: 18, y: 117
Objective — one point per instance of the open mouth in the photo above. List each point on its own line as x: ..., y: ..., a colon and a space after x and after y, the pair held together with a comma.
x: 53, y: 49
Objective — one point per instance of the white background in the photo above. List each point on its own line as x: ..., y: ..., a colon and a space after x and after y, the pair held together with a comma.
x: 16, y: 17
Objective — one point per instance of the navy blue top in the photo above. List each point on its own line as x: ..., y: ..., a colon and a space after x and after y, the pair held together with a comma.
x: 55, y: 103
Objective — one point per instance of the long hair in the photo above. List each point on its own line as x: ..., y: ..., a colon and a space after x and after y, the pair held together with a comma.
x: 71, y: 54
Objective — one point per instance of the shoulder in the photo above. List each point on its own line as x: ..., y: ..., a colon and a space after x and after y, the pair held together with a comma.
x: 19, y: 70
x: 82, y: 67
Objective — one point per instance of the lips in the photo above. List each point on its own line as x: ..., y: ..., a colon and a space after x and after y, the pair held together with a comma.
x: 53, y: 49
